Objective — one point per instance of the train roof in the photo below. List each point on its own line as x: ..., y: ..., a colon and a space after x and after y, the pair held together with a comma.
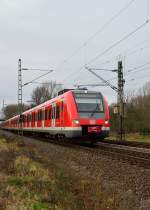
x: 65, y: 91
x: 61, y: 94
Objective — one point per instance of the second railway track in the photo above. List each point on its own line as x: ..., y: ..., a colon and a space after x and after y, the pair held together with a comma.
x: 132, y: 155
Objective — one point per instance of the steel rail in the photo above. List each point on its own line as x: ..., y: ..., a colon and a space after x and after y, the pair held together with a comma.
x: 131, y: 156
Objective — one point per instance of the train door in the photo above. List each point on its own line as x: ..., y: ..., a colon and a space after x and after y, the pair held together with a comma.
x: 49, y: 116
x: 36, y: 119
x: 43, y: 117
x: 62, y: 114
x: 39, y: 122
x: 33, y: 119
x: 53, y: 114
x: 46, y: 117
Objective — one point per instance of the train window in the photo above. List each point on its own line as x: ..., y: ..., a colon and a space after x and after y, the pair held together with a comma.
x: 57, y: 112
x: 43, y: 114
x: 28, y: 118
x: 36, y: 116
x: 62, y: 106
x: 50, y: 112
x: 24, y: 118
x: 54, y: 112
x: 46, y: 114
x: 39, y: 115
x: 33, y: 117
x: 90, y: 105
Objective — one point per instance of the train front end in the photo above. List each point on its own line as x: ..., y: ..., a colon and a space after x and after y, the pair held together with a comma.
x: 92, y: 114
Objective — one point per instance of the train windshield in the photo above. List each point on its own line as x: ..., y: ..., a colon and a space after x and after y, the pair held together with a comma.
x: 89, y: 105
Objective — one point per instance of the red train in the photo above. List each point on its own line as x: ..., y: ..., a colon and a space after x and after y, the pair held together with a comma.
x: 72, y: 114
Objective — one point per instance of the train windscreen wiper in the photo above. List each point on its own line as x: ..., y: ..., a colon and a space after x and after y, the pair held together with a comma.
x: 93, y: 112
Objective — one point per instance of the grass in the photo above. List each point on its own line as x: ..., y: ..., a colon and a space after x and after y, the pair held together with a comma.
x: 132, y: 137
x: 31, y: 182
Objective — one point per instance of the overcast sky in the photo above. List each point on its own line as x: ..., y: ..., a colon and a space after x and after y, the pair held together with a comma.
x: 45, y: 33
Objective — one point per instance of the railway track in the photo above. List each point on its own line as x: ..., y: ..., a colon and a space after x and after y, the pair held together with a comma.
x: 133, y: 155
x: 128, y: 143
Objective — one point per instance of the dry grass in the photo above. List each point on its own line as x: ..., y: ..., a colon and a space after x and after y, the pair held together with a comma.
x: 30, y: 181
x: 132, y: 137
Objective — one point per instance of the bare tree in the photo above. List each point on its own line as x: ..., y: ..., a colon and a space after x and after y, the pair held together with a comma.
x: 12, y: 110
x: 137, y: 112
x: 146, y: 89
x: 45, y: 92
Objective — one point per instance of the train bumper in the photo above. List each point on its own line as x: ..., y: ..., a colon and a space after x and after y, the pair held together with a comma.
x: 95, y: 131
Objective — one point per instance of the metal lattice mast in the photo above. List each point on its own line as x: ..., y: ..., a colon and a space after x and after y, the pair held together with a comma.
x: 120, y: 96
x: 120, y: 100
x: 20, y: 108
x: 19, y: 88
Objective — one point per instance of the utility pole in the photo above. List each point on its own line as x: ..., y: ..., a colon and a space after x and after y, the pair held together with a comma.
x: 3, y: 104
x: 20, y: 108
x: 20, y: 86
x: 120, y: 95
x: 3, y: 115
x: 120, y: 101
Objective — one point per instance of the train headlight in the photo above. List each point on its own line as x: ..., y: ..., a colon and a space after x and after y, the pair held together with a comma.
x: 76, y: 122
x: 106, y: 122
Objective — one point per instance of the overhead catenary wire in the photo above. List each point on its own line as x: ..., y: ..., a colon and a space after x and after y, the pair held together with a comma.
x: 90, y: 85
x: 118, y: 42
x: 45, y: 83
x: 137, y: 50
x: 139, y: 70
x: 114, y: 17
x: 129, y: 51
x: 140, y: 77
x: 102, y: 79
x: 138, y: 67
x: 137, y: 78
x: 31, y: 69
x: 100, y: 69
x: 111, y: 47
x: 110, y: 21
x: 37, y: 78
